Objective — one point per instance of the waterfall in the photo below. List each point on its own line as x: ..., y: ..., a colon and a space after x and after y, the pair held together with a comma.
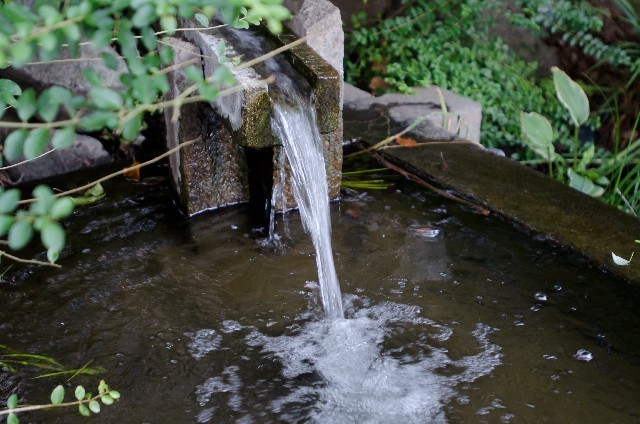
x: 296, y: 127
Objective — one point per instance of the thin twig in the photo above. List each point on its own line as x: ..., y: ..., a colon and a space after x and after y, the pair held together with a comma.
x: 27, y: 261
x: 27, y: 160
x: 26, y: 125
x: 434, y: 143
x: 391, y: 137
x: 115, y: 174
x: 411, y: 177
x: 624, y: 199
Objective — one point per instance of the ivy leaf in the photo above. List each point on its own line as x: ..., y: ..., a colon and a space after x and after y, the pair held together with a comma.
x: 64, y: 138
x: 80, y: 392
x: 84, y: 411
x: 20, y: 235
x: 52, y: 236
x: 105, y: 98
x: 36, y: 142
x: 26, y: 106
x: 94, y: 406
x: 14, y: 144
x: 9, y: 200
x: 12, y: 402
x: 62, y: 208
x: 202, y: 19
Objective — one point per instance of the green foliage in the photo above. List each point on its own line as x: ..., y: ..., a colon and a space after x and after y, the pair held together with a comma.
x: 86, y: 402
x: 579, y: 23
x: 448, y: 44
x: 137, y: 31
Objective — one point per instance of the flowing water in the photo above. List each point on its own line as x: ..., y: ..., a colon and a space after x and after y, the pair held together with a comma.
x: 296, y: 127
x: 195, y: 322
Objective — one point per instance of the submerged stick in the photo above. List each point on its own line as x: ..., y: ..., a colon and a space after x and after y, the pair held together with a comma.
x: 411, y: 177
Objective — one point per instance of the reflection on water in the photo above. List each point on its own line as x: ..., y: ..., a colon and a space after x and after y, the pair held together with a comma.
x: 196, y: 322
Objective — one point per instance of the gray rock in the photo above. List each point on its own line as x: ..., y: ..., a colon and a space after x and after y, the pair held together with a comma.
x: 463, y: 116
x: 68, y: 74
x: 84, y: 153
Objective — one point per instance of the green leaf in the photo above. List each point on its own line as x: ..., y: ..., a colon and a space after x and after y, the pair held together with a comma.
x: 538, y: 133
x: 5, y: 224
x: 64, y: 138
x: 12, y: 402
x: 84, y: 411
x: 14, y: 144
x: 10, y: 87
x: 166, y: 55
x: 224, y: 76
x: 584, y: 184
x: 53, y: 255
x: 143, y: 16
x: 99, y: 120
x: 57, y: 395
x: 105, y: 98
x: 20, y: 235
x: 80, y: 392
x: 26, y: 106
x: 106, y: 399
x: 12, y: 419
x: 9, y: 200
x: 132, y: 127
x: 202, y: 19
x: 72, y: 32
x: 94, y: 405
x: 114, y: 394
x: 52, y: 235
x: 44, y: 200
x: 95, y: 191
x: 92, y: 76
x: 62, y: 208
x: 169, y: 23
x: 572, y: 97
x: 36, y: 143
x: 149, y: 39
x: 102, y: 387
x: 21, y: 54
x: 110, y: 60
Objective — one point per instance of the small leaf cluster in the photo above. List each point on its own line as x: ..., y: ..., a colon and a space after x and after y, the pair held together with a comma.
x: 19, y: 225
x: 86, y: 402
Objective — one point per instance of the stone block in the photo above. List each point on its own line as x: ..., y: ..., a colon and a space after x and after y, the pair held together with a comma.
x: 210, y: 173
x: 248, y: 111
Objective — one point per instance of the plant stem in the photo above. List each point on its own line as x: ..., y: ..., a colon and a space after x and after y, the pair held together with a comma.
x: 115, y: 174
x: 47, y: 406
x: 575, y: 148
x: 27, y: 261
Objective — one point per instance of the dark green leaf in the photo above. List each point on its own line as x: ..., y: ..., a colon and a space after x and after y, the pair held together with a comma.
x: 64, y: 138
x: 149, y: 39
x: 132, y: 128
x: 53, y: 236
x: 143, y: 16
x: 12, y: 402
x: 166, y: 55
x: 99, y: 120
x: 14, y: 144
x: 92, y: 76
x: 94, y: 405
x: 110, y: 60
x: 84, y: 411
x: 48, y: 105
x: 8, y: 86
x: 9, y: 200
x: 5, y: 224
x: 36, y: 142
x: 105, y: 98
x: 80, y: 392
x: 62, y: 208
x: 20, y: 235
x: 26, y: 106
x: 202, y: 19
x: 21, y: 54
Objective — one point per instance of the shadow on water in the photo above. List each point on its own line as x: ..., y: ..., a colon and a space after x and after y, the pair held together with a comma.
x: 195, y: 322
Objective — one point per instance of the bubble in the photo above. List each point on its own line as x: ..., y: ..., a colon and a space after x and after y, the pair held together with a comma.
x: 540, y: 297
x: 583, y: 355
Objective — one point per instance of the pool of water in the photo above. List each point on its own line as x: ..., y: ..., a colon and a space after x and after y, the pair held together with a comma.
x: 451, y: 317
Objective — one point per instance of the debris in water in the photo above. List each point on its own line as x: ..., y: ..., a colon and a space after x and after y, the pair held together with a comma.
x: 583, y: 355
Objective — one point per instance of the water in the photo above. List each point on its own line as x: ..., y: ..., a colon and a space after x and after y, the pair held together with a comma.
x: 296, y: 127
x: 195, y: 322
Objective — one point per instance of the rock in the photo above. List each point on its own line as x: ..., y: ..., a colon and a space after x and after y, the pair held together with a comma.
x: 212, y: 172
x: 397, y: 111
x: 84, y: 153
x: 68, y: 74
